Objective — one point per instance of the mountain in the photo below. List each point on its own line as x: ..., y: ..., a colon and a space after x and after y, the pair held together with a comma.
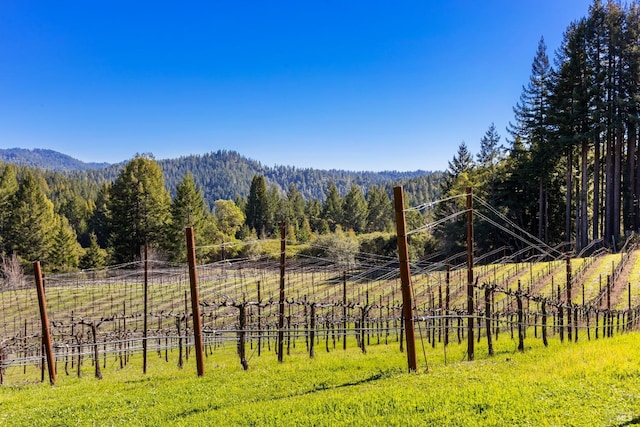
x: 46, y: 159
x: 227, y: 175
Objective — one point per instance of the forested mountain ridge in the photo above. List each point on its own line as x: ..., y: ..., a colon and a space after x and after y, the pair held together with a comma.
x: 227, y: 175
x: 46, y: 159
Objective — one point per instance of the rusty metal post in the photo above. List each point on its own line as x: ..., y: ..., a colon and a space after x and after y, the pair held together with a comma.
x: 44, y: 319
x: 344, y: 310
x: 146, y: 309
x: 283, y: 249
x: 405, y: 277
x: 195, y: 300
x: 259, y: 320
x: 470, y: 306
x: 569, y: 303
x: 446, y: 306
x: 487, y: 313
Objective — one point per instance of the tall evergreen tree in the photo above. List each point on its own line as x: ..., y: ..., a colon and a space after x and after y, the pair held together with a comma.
x: 8, y: 187
x: 65, y: 250
x: 100, y: 220
x: 380, y: 215
x: 532, y: 129
x: 31, y: 222
x: 457, y: 177
x: 257, y: 210
x: 139, y: 207
x: 332, y: 208
x: 188, y: 209
x: 354, y: 210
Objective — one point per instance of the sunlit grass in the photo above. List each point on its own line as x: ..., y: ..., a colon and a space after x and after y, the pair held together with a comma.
x: 581, y: 384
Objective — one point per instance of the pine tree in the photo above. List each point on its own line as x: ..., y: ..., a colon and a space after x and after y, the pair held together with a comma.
x: 532, y: 129
x: 31, y: 221
x: 94, y: 256
x: 380, y: 215
x: 354, y: 210
x: 65, y: 251
x: 100, y: 219
x: 139, y: 207
x: 188, y: 209
x: 332, y: 208
x: 8, y: 187
x: 257, y: 210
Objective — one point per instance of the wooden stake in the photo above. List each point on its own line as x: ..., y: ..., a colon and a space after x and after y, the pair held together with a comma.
x: 44, y: 318
x: 405, y: 276
x: 195, y: 300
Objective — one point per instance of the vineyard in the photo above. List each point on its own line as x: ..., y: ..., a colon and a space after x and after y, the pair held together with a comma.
x: 99, y: 314
x: 282, y: 302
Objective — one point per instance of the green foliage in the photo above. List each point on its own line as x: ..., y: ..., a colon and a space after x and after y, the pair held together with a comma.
x: 8, y: 187
x: 332, y: 208
x: 94, y: 256
x: 257, y: 210
x: 188, y: 209
x: 31, y: 221
x: 139, y: 208
x: 65, y: 251
x: 380, y: 215
x: 354, y: 210
x: 339, y: 247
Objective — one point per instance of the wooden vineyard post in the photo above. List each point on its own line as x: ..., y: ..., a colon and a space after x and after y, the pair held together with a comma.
x: 44, y: 319
x: 195, y: 300
x: 283, y: 248
x: 405, y: 277
x: 470, y: 308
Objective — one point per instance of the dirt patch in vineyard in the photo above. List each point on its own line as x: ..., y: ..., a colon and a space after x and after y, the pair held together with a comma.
x: 619, y: 288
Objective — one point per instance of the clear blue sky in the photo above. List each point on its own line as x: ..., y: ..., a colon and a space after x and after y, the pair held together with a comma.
x: 358, y: 85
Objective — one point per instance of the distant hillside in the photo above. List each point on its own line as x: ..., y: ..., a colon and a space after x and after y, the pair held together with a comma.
x: 227, y: 174
x: 46, y: 159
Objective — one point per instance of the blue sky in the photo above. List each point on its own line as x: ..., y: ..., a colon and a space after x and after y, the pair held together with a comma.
x: 326, y: 84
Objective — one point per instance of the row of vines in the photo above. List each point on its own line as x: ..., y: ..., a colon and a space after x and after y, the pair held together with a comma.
x: 96, y: 316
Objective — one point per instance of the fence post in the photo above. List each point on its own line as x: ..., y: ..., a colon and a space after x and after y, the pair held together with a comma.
x: 405, y: 276
x: 44, y: 319
x: 195, y: 300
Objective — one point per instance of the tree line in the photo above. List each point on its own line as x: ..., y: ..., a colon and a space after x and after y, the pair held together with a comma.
x: 570, y: 171
x: 69, y: 223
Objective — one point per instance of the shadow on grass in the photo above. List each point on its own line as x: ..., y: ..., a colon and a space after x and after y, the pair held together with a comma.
x: 377, y: 376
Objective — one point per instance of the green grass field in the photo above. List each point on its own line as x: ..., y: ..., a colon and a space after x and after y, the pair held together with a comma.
x: 589, y: 383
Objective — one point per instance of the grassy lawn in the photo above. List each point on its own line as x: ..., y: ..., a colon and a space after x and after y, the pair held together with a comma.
x: 594, y: 383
